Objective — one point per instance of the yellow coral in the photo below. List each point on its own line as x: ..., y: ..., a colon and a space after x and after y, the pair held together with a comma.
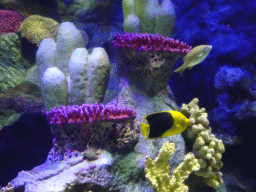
x: 207, y: 147
x: 157, y: 171
x: 36, y: 28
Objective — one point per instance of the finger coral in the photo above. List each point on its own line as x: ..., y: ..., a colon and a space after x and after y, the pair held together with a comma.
x: 207, y: 148
x: 68, y: 73
x: 148, y: 16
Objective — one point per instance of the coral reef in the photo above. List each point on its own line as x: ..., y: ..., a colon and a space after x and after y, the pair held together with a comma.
x: 147, y: 60
x: 147, y: 42
x: 35, y: 28
x: 81, y: 127
x: 68, y: 73
x: 157, y: 170
x: 206, y: 147
x: 87, y: 113
x: 221, y: 24
x: 10, y: 21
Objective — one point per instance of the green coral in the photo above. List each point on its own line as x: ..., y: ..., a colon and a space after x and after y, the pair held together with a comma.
x: 126, y: 168
x: 35, y: 28
x: 207, y: 147
x: 157, y: 171
x: 9, y: 77
x: 10, y: 52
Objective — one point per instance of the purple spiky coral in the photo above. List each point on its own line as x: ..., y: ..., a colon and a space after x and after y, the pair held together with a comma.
x: 147, y: 60
x: 147, y: 42
x: 10, y: 21
x: 92, y: 125
x: 87, y: 113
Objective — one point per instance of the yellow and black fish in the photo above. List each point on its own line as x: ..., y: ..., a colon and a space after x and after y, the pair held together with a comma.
x: 163, y: 124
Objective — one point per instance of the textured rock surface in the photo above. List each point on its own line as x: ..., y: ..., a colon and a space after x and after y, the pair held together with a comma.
x: 35, y: 28
x: 12, y: 64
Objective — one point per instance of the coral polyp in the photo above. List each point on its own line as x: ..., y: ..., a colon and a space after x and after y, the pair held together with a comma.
x: 87, y: 113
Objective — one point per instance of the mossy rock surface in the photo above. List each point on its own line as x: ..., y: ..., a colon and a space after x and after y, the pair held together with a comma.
x: 12, y: 63
x: 35, y: 28
x: 127, y: 170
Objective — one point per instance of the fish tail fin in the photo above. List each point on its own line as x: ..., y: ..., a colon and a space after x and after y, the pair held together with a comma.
x: 180, y: 70
x: 144, y: 129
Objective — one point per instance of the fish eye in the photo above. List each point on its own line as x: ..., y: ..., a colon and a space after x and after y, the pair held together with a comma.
x: 183, y: 119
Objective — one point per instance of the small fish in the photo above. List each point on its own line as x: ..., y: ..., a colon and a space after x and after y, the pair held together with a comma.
x: 163, y: 124
x: 194, y: 57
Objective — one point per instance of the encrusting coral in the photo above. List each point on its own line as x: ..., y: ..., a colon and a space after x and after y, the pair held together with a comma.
x: 79, y: 127
x: 35, y: 28
x: 157, y: 171
x: 10, y: 21
x: 147, y: 60
x: 207, y: 148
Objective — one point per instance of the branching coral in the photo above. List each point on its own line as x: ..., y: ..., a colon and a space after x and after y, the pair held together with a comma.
x: 157, y: 171
x: 207, y: 148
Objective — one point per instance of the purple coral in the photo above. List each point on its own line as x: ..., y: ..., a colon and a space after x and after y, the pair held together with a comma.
x: 147, y: 60
x: 9, y: 21
x: 79, y: 127
x: 146, y: 42
x: 88, y: 113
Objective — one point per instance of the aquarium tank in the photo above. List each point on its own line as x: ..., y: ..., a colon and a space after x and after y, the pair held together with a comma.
x: 127, y: 95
